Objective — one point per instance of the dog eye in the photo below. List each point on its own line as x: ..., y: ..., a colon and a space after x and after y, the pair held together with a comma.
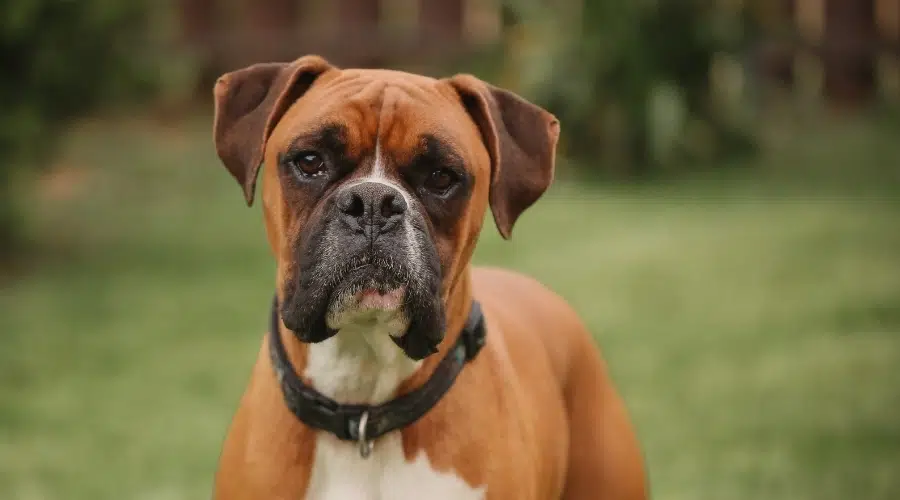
x: 307, y: 164
x: 441, y: 180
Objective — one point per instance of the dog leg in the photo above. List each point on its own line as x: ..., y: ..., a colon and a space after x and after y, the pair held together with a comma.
x: 605, y: 461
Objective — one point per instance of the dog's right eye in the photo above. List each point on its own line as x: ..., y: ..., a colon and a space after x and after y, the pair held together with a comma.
x: 307, y: 164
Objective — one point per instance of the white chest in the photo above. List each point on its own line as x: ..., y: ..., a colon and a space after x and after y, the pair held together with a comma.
x: 361, y: 364
x: 339, y: 473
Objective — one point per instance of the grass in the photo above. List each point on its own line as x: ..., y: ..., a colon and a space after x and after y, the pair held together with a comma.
x: 753, y: 326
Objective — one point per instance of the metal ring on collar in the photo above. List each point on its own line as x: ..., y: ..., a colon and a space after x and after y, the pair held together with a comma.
x: 365, y: 446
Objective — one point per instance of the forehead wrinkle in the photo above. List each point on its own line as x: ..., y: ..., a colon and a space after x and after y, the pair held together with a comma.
x: 419, y: 91
x: 386, y: 112
x: 370, y: 94
x: 387, y: 75
x: 360, y: 91
x: 386, y: 122
x: 389, y: 95
x: 344, y: 83
x: 422, y: 138
x: 360, y: 98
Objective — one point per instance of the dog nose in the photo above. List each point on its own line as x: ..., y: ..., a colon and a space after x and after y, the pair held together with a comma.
x: 372, y: 208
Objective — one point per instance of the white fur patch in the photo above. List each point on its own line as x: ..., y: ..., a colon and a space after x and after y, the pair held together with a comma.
x: 380, y: 179
x: 378, y: 167
x: 361, y: 364
x: 378, y: 176
x: 339, y: 473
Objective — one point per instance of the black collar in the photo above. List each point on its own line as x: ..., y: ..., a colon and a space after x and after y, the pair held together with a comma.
x: 364, y: 423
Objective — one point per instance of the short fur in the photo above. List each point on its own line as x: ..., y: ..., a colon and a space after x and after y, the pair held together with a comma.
x: 535, y: 416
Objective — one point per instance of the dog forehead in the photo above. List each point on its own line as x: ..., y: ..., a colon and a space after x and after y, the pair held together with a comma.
x: 391, y: 109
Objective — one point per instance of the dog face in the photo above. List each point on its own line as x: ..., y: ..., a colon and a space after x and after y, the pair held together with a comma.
x: 375, y: 186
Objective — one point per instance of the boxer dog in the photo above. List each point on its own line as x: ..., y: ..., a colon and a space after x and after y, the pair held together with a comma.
x: 393, y: 369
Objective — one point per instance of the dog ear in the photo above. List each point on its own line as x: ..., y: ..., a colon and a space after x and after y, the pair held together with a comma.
x: 248, y: 104
x: 521, y: 140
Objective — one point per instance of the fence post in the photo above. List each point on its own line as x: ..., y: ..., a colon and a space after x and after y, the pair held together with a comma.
x: 360, y: 40
x: 269, y: 31
x: 809, y: 72
x: 887, y: 17
x: 196, y: 41
x: 441, y: 21
x: 850, y: 50
x: 197, y: 21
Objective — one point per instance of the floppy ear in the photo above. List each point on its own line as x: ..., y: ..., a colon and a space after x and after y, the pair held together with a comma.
x: 521, y: 141
x: 249, y: 102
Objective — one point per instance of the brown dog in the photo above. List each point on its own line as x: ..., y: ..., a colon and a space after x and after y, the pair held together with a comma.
x: 375, y: 187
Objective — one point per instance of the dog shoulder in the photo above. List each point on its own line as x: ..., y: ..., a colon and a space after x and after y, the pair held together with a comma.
x: 524, y: 296
x: 532, y: 313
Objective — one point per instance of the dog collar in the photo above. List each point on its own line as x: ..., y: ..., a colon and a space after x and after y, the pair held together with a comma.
x: 364, y: 423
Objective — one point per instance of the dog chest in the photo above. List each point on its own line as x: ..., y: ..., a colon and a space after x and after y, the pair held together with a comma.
x: 339, y: 473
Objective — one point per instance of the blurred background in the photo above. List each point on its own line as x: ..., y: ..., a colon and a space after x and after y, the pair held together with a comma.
x: 726, y: 218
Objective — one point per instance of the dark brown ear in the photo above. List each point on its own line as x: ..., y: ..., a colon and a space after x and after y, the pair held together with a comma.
x: 249, y: 103
x: 521, y: 141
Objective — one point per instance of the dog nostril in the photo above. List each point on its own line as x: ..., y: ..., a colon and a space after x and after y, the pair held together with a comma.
x: 353, y: 205
x: 392, y: 205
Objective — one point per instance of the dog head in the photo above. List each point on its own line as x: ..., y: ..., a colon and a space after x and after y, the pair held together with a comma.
x: 375, y: 185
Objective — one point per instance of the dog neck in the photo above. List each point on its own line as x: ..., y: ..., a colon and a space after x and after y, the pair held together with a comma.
x: 361, y: 364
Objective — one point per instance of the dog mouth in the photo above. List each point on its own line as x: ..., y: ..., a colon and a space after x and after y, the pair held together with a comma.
x: 367, y: 306
x: 374, y: 299
x: 370, y: 294
x: 368, y: 284
x: 374, y: 310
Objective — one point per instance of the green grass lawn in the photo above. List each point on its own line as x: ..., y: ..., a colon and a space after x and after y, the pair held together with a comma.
x: 753, y: 327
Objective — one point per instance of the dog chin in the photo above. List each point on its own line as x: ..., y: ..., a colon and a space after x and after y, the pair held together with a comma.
x: 369, y: 308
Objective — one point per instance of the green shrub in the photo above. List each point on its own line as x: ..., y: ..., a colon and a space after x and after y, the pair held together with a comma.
x: 643, y: 85
x: 61, y: 58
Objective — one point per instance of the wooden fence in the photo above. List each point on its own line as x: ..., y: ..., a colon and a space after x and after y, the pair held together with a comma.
x: 230, y: 33
x: 844, y: 51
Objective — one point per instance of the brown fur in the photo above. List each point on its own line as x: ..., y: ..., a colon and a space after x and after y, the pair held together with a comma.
x: 535, y: 416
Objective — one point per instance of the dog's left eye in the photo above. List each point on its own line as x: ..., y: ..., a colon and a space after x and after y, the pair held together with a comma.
x: 441, y: 180
x: 307, y: 164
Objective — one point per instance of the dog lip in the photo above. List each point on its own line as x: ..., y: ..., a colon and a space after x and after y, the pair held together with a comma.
x: 373, y: 298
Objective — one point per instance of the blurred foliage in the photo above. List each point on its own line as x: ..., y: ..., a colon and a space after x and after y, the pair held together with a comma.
x: 640, y: 86
x: 62, y: 58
